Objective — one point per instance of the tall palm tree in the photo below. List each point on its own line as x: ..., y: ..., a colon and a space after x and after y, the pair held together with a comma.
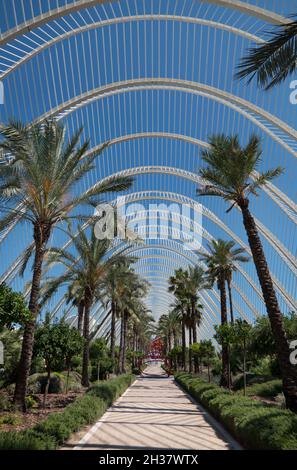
x: 112, y: 290
x: 177, y: 287
x: 274, y: 60
x: 230, y: 174
x: 221, y: 260
x: 130, y: 305
x: 86, y: 267
x: 37, y: 184
x: 196, y: 281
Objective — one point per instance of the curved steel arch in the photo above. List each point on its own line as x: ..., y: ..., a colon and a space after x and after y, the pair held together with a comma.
x: 165, y: 195
x: 251, y: 307
x: 195, y: 259
x: 128, y: 19
x: 281, y: 199
x: 216, y: 94
x: 283, y: 252
x: 67, y: 9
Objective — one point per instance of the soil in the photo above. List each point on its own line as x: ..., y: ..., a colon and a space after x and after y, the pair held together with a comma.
x: 20, y: 421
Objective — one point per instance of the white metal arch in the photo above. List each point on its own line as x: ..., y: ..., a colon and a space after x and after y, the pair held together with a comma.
x: 278, y: 246
x: 122, y: 20
x: 69, y: 8
x: 175, y: 197
x: 242, y: 106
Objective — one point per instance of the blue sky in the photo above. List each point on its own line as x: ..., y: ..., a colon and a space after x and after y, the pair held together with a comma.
x: 181, y: 51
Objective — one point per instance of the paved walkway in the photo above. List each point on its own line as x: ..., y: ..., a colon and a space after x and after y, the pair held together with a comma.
x: 154, y: 413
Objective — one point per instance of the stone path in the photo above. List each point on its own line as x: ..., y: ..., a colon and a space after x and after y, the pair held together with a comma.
x: 154, y: 413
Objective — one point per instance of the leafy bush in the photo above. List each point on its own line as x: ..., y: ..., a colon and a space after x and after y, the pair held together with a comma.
x: 251, y: 379
x: 26, y: 440
x: 30, y: 402
x: 254, y: 424
x: 58, y: 427
x: 57, y: 384
x: 9, y: 419
x: 5, y: 403
x: 267, y: 389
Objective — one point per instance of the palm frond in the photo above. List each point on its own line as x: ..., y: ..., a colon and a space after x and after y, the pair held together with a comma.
x: 273, y: 61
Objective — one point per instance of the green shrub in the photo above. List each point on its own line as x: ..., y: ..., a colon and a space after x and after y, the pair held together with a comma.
x: 58, y: 427
x: 251, y: 379
x: 9, y: 419
x: 26, y: 440
x: 267, y: 389
x: 256, y: 425
x: 30, y: 402
x: 5, y: 403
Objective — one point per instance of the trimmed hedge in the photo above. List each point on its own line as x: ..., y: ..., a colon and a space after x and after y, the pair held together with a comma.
x: 58, y: 427
x: 254, y: 424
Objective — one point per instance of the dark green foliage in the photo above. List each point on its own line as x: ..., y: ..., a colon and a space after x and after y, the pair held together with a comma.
x: 100, y: 359
x: 26, y: 440
x: 254, y: 424
x: 58, y: 427
x: 267, y: 389
x: 251, y: 380
x: 11, y: 341
x: 13, y: 308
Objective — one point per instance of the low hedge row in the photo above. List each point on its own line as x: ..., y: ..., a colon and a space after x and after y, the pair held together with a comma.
x: 254, y: 424
x: 58, y: 427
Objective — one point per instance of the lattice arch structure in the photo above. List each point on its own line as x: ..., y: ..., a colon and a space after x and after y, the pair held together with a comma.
x: 155, y: 79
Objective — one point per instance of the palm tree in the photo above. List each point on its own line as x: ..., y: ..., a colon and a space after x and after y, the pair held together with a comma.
x: 75, y: 295
x: 274, y: 60
x: 177, y: 287
x: 196, y: 281
x: 230, y: 174
x: 131, y: 305
x: 85, y: 268
x: 37, y: 184
x: 221, y: 260
x: 112, y: 290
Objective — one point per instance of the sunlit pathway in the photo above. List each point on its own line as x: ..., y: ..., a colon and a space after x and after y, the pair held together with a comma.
x: 155, y: 413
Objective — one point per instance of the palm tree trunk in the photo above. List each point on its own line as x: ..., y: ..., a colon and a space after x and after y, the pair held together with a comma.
x: 80, y: 316
x: 224, y: 382
x: 86, y: 351
x: 112, y: 333
x: 41, y: 236
x: 184, y: 344
x: 195, y: 341
x: 190, y: 350
x: 288, y: 370
x: 122, y: 343
x: 125, y: 343
x: 230, y: 300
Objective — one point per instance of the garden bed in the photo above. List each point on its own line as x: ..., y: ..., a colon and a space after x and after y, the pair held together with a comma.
x: 51, y: 432
x: 254, y: 424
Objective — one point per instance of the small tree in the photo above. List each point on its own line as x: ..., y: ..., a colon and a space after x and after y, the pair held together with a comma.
x: 225, y: 337
x: 13, y: 308
x: 207, y: 352
x: 242, y: 333
x: 48, y: 345
x: 72, y: 344
x: 196, y: 353
x: 100, y: 358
